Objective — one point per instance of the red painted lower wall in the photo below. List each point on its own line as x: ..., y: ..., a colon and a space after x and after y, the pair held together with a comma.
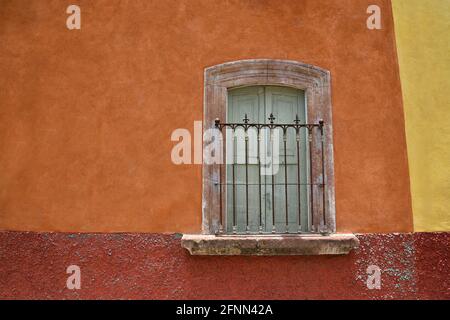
x: 154, y: 266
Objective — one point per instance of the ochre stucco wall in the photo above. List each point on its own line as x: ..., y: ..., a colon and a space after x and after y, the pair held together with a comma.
x: 86, y: 116
x: 423, y: 40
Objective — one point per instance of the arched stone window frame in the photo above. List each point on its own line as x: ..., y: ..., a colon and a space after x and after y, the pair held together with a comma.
x: 315, y: 81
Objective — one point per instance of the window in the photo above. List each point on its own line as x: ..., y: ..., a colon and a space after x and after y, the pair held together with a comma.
x: 267, y: 180
x: 269, y: 92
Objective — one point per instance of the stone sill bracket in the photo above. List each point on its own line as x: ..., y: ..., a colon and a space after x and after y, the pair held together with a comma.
x: 270, y: 245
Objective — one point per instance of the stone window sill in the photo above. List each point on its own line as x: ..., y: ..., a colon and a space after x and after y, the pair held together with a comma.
x: 269, y: 245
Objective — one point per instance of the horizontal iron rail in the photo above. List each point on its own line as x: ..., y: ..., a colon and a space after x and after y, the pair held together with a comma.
x: 309, y: 126
x: 275, y: 184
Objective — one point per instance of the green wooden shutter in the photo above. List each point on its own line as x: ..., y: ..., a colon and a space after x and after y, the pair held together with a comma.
x: 285, y: 104
x: 245, y: 101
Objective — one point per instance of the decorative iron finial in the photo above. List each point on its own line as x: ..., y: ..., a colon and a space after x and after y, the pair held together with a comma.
x: 271, y: 118
x: 245, y: 119
x: 321, y: 126
x: 297, y: 120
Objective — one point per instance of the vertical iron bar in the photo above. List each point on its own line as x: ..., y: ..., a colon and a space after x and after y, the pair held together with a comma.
x: 220, y: 181
x: 298, y: 181
x: 273, y: 186
x: 285, y: 179
x: 310, y: 129
x: 246, y: 172
x: 297, y: 138
x: 234, y: 181
x: 259, y: 179
x: 323, y: 172
x: 221, y: 153
x: 272, y: 118
x: 246, y: 180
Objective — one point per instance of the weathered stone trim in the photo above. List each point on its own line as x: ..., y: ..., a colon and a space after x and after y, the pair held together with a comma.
x: 314, y: 81
x: 270, y: 245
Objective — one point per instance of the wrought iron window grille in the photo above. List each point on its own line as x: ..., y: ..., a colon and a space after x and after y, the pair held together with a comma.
x: 316, y: 193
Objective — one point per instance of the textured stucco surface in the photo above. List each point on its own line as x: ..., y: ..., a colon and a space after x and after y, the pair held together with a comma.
x: 423, y: 38
x: 150, y: 266
x: 86, y: 115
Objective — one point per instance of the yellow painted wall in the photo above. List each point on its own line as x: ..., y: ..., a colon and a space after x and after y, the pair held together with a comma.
x: 423, y: 46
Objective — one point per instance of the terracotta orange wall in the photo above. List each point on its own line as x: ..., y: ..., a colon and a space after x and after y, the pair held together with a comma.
x: 86, y: 116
